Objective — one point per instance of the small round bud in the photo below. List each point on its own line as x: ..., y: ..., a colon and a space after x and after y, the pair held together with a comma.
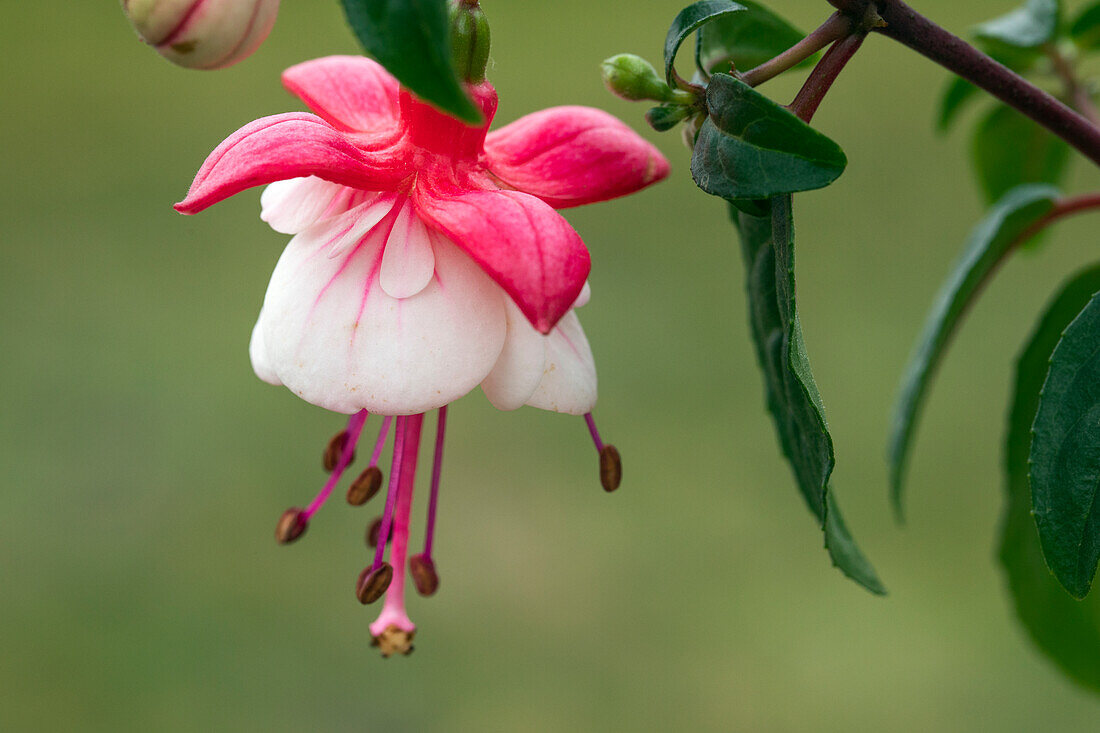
x: 365, y: 487
x: 291, y: 526
x: 423, y: 574
x: 203, y: 34
x: 632, y: 77
x: 372, y: 585
x: 469, y: 40
x: 611, y: 468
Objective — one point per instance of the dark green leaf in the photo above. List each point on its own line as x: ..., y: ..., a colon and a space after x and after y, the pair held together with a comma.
x: 745, y: 39
x: 1085, y: 29
x: 989, y: 243
x: 767, y: 244
x: 1029, y: 26
x: 1067, y: 630
x: 1010, y: 149
x: 689, y: 19
x: 412, y: 39
x: 1065, y: 455
x: 955, y: 96
x: 666, y: 116
x: 751, y: 147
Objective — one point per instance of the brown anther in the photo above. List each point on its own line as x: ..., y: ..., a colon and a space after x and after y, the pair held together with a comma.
x: 423, y: 574
x: 291, y: 526
x: 333, y: 450
x: 394, y: 641
x: 365, y: 487
x: 374, y: 530
x: 611, y: 468
x: 372, y: 585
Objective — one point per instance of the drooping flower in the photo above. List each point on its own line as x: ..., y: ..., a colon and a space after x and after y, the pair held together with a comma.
x: 427, y: 259
x: 203, y: 34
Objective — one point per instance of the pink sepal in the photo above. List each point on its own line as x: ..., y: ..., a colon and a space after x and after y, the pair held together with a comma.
x: 568, y: 156
x: 351, y: 93
x: 292, y: 145
x: 520, y: 242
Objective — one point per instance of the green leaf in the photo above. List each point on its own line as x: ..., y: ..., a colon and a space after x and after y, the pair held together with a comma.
x: 955, y: 96
x: 751, y: 147
x: 412, y: 39
x: 745, y: 39
x: 1065, y: 455
x: 767, y: 244
x: 990, y: 241
x: 1029, y: 26
x: 1085, y: 29
x: 1009, y: 149
x: 1067, y: 630
x: 689, y: 19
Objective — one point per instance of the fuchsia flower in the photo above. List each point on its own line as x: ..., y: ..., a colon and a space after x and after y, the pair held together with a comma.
x: 427, y: 259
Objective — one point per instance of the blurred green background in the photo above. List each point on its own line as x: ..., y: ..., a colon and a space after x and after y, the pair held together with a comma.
x: 145, y: 466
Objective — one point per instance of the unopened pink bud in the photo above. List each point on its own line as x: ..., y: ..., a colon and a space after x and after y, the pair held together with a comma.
x: 203, y: 34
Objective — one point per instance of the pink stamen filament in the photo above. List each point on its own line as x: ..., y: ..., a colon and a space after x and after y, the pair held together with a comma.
x: 391, y: 491
x: 355, y: 427
x: 592, y: 429
x: 381, y: 442
x: 437, y: 468
x: 394, y: 606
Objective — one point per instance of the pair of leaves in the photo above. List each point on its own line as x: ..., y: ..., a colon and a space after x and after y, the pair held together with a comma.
x: 743, y: 33
x: 1065, y: 629
x: 689, y: 20
x: 991, y: 241
x: 412, y: 39
x: 767, y: 244
x: 752, y: 148
x: 745, y: 39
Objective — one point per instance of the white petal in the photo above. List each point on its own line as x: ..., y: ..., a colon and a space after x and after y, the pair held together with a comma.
x: 357, y: 222
x: 569, y: 380
x: 334, y: 337
x: 293, y: 205
x: 408, y: 262
x: 257, y: 352
x: 584, y: 297
x: 519, y: 369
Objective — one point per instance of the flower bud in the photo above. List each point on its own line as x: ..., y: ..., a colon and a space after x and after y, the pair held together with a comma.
x: 469, y: 40
x: 202, y: 34
x: 632, y: 77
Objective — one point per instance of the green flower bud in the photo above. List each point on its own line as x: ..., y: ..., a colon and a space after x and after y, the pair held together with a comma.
x: 469, y: 40
x: 632, y: 77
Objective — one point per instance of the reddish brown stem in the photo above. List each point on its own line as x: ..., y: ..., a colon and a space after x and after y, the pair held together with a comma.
x: 1063, y: 207
x: 824, y: 74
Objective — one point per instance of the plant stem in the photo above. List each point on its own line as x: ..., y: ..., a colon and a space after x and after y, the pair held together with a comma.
x: 834, y: 28
x: 1062, y: 208
x: 1075, y: 90
x: 824, y: 74
x: 912, y: 29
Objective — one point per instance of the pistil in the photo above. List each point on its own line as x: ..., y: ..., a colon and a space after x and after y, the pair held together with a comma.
x: 393, y: 630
